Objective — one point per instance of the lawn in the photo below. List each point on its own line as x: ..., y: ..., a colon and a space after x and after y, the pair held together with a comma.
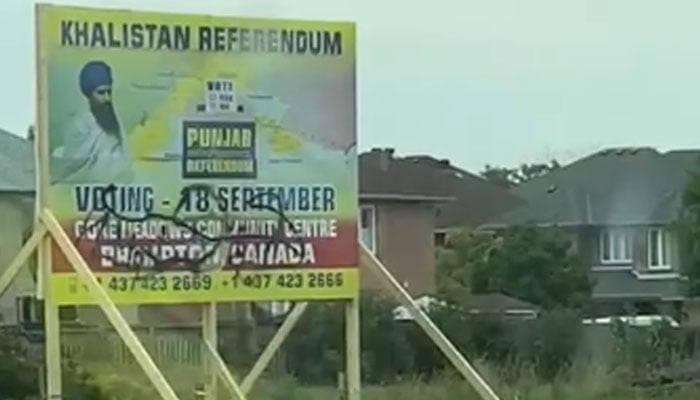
x: 586, y: 381
x: 458, y: 390
x: 589, y: 387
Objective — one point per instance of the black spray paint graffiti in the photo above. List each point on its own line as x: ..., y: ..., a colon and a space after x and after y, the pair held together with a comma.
x: 145, y: 256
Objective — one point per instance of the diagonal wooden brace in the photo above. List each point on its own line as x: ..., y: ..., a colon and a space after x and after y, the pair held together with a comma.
x: 21, y: 258
x: 223, y: 371
x: 107, y: 305
x: 369, y: 260
x: 273, y: 346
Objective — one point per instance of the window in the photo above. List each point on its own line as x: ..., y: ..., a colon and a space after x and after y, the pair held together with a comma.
x: 615, y: 246
x: 658, y: 245
x: 440, y: 239
x: 368, y: 224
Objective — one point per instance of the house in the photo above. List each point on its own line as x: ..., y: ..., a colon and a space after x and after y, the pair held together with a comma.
x: 17, y: 210
x: 408, y: 204
x: 616, y: 205
x: 398, y: 201
x: 476, y: 200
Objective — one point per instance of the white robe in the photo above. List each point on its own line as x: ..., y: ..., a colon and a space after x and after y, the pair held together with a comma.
x: 91, y: 155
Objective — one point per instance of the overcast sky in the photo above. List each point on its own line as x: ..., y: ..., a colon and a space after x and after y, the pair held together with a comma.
x: 497, y: 81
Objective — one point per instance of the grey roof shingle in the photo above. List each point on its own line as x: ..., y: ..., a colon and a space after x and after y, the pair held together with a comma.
x: 382, y: 174
x: 16, y: 163
x: 470, y: 199
x: 476, y: 199
x: 611, y: 187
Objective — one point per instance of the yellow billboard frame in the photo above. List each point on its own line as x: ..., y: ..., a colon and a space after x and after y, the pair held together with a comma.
x: 48, y: 231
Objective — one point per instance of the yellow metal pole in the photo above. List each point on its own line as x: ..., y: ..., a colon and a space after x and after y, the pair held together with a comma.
x: 370, y: 261
x: 352, y: 348
x: 209, y: 334
x: 272, y: 347
x: 107, y: 305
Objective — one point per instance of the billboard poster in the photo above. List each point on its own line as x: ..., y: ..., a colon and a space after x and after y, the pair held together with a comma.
x: 197, y: 158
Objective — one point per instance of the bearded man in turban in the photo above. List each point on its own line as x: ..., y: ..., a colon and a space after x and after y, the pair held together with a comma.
x: 95, y: 149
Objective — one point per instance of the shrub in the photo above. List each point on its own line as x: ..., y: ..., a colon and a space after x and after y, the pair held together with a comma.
x: 551, y: 342
x: 18, y: 376
x: 640, y: 351
x: 315, y: 348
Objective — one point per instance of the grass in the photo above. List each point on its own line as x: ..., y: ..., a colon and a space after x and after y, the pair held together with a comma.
x: 458, y: 390
x: 588, y: 385
x: 585, y: 382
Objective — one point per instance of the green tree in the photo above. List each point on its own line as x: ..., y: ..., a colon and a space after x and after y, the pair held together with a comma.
x: 315, y: 348
x: 509, y: 177
x: 688, y: 229
x: 499, y: 175
x: 456, y: 259
x: 525, y: 262
x: 535, y: 265
x: 550, y: 343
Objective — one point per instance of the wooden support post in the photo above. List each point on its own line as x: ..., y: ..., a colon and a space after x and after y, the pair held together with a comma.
x: 107, y: 305
x: 52, y: 325
x: 352, y: 349
x: 370, y: 261
x: 273, y: 346
x: 224, y: 373
x: 210, y: 335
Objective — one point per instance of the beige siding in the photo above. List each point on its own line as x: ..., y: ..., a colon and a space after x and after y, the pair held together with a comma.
x: 404, y: 237
x: 16, y: 224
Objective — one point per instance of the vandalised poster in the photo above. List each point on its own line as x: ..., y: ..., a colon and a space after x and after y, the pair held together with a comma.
x: 198, y: 158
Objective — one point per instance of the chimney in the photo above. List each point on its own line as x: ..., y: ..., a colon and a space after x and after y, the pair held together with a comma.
x: 385, y: 156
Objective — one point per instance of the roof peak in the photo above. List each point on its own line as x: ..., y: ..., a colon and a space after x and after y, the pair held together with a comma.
x: 627, y: 150
x: 426, y: 157
x: 684, y: 151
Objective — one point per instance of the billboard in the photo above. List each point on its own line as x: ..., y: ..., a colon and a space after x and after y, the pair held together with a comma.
x: 197, y: 158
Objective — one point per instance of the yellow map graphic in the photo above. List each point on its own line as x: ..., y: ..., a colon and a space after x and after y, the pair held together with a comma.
x: 285, y: 142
